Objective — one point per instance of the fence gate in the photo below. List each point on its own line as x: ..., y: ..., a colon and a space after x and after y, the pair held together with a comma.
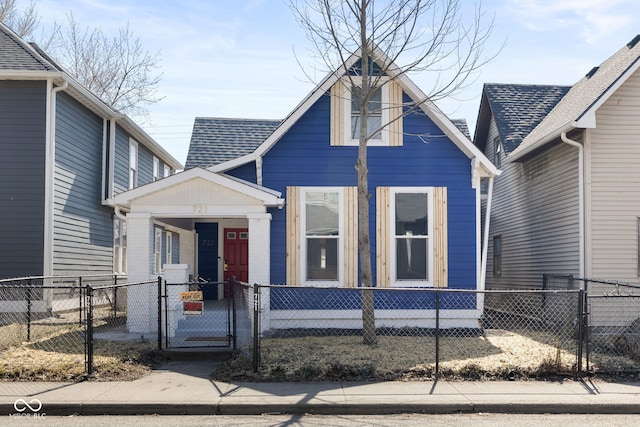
x: 189, y: 320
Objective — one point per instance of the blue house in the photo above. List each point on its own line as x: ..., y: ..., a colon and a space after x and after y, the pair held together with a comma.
x: 64, y: 155
x: 275, y: 201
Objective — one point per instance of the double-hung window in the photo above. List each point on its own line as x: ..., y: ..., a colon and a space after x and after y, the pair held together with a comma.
x: 120, y: 246
x: 168, y: 248
x: 377, y: 115
x: 133, y: 164
x: 156, y: 168
x: 322, y: 221
x: 157, y: 253
x: 412, y: 243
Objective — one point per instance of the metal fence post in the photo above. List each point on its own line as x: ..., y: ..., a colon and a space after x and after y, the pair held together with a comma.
x: 234, y: 314
x: 585, y: 320
x: 89, y: 335
x: 437, y: 334
x: 159, y: 313
x: 80, y: 302
x: 29, y: 287
x: 580, y: 329
x: 256, y: 327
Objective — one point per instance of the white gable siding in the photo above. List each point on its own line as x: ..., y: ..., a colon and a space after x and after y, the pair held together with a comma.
x: 535, y: 210
x: 615, y: 185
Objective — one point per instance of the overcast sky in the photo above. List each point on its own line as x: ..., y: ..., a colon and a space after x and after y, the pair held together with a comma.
x: 237, y: 58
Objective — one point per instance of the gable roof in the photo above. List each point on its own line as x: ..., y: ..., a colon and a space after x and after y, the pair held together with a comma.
x: 215, y: 140
x: 578, y: 107
x: 269, y: 197
x: 20, y: 60
x: 427, y: 107
x: 517, y: 110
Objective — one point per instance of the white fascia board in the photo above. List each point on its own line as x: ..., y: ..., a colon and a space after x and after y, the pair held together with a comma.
x: 268, y: 198
x: 517, y: 154
x: 31, y: 75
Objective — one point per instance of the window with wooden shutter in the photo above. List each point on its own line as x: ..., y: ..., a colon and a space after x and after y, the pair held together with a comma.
x: 322, y: 236
x: 385, y: 108
x: 411, y: 236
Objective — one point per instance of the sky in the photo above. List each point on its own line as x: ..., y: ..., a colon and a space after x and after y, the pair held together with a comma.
x: 245, y: 58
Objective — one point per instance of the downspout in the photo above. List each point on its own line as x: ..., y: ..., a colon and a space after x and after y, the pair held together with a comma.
x: 485, y: 242
x: 580, y: 147
x: 50, y: 166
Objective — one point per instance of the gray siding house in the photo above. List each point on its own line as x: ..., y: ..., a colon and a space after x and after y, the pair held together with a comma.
x: 568, y: 201
x: 64, y: 155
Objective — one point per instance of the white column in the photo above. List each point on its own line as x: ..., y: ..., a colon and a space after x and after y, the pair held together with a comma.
x: 260, y: 260
x: 142, y: 300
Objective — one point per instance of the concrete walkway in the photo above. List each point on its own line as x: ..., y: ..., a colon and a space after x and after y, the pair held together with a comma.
x: 185, y: 388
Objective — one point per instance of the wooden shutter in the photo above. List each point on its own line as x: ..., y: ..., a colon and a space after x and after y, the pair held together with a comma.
x: 293, y: 235
x: 383, y: 243
x: 440, y: 238
x: 395, y: 111
x: 350, y: 236
x: 338, y: 92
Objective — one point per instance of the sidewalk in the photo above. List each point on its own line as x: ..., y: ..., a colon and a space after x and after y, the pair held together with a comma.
x: 185, y: 388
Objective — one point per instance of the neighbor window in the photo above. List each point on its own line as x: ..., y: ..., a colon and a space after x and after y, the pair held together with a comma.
x: 497, y: 150
x: 168, y: 247
x: 412, y: 230
x: 156, y: 168
x: 167, y: 171
x: 322, y: 222
x: 157, y: 252
x: 119, y: 246
x: 133, y: 164
x: 497, y: 256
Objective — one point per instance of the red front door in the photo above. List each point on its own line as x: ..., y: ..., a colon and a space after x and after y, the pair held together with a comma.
x: 236, y: 254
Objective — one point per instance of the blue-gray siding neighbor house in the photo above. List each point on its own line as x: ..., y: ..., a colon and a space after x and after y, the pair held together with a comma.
x: 64, y: 155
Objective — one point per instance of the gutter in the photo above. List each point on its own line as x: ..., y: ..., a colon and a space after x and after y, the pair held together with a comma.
x: 580, y: 147
x: 514, y: 156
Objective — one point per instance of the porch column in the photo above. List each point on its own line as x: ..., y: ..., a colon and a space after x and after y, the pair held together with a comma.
x: 259, y: 248
x: 142, y: 300
x: 260, y: 260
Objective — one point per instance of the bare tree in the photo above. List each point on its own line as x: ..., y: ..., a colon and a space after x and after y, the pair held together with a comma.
x: 25, y: 23
x: 392, y: 38
x: 118, y: 69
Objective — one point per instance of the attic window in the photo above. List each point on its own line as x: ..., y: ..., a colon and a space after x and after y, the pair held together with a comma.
x: 633, y: 42
x: 592, y: 72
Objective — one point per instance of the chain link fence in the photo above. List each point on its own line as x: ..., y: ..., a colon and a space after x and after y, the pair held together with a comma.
x: 66, y: 328
x: 317, y: 333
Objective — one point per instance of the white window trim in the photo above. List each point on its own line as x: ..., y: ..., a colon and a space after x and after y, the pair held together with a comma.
x: 156, y: 168
x: 169, y: 247
x: 133, y: 164
x: 120, y: 249
x: 167, y: 171
x: 384, y: 141
x: 303, y: 237
x: 430, y: 239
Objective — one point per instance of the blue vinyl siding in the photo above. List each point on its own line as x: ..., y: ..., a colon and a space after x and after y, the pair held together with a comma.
x: 83, y: 227
x: 145, y: 165
x: 304, y: 157
x: 22, y: 170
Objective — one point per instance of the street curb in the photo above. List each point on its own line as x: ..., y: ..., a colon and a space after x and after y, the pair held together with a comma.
x: 66, y: 409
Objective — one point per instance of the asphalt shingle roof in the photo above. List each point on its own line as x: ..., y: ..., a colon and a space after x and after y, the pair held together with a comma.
x: 462, y: 125
x: 518, y: 109
x: 15, y: 54
x: 583, y: 95
x: 217, y: 140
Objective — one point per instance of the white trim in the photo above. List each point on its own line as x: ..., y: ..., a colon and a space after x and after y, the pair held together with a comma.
x: 269, y: 197
x: 395, y: 282
x: 303, y: 236
x: 168, y: 238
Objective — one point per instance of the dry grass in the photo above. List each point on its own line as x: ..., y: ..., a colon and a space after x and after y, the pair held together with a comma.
x: 496, y: 354
x: 56, y: 352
